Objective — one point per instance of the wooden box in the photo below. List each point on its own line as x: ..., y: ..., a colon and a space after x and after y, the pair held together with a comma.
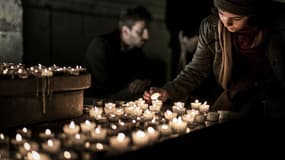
x: 28, y: 101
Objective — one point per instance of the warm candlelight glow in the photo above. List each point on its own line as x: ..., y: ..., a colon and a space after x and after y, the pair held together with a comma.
x: 140, y: 138
x: 119, y: 142
x: 196, y: 104
x: 19, y: 137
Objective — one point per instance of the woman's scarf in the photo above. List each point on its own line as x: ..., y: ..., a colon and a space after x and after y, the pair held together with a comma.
x: 225, y: 42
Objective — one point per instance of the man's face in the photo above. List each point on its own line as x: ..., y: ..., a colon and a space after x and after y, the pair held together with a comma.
x: 137, y: 35
x: 233, y: 22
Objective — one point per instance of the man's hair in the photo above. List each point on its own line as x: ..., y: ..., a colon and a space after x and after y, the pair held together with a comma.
x: 129, y: 16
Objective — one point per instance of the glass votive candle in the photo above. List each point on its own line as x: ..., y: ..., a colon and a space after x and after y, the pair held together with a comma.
x: 148, y: 115
x: 155, y: 107
x: 155, y: 96
x: 46, y: 134
x: 119, y: 111
x: 156, y: 102
x: 179, y: 104
x: 189, y: 118
x: 34, y: 155
x: 68, y: 155
x: 119, y: 142
x: 4, y: 141
x: 204, y: 108
x: 25, y: 132
x: 51, y: 146
x: 95, y: 111
x: 164, y: 129
x: 71, y: 128
x: 99, y: 133
x: 110, y: 108
x: 87, y: 126
x: 140, y: 138
x: 27, y: 147
x: 18, y: 140
x: 212, y: 116
x: 200, y: 118
x: 78, y: 139
x: 196, y: 104
x: 178, y: 109
x: 178, y: 125
x: 152, y: 134
x: 169, y: 115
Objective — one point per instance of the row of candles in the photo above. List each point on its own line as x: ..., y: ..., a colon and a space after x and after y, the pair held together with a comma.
x: 19, y: 70
x: 115, y: 128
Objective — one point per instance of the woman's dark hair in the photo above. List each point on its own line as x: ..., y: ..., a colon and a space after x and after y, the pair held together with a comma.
x: 259, y: 14
x: 130, y: 16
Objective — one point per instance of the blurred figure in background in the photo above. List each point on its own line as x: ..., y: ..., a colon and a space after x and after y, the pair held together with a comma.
x: 184, y: 18
x: 119, y: 67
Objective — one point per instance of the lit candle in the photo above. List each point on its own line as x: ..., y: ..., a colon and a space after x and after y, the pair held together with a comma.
x: 178, y: 125
x: 4, y: 141
x: 47, y: 134
x: 119, y: 142
x: 169, y: 115
x: 179, y: 104
x: 28, y: 146
x: 155, y: 107
x: 18, y: 139
x: 155, y: 96
x: 95, y: 111
x: 110, y: 108
x: 140, y: 138
x: 179, y: 109
x: 148, y: 115
x: 196, y: 104
x: 165, y: 129
x: 119, y: 111
x: 71, y: 128
x: 99, y: 133
x: 152, y: 134
x: 189, y: 118
x: 87, y: 126
x: 34, y: 155
x: 204, y: 107
x: 66, y: 154
x: 25, y: 132
x: 51, y: 146
x: 78, y: 139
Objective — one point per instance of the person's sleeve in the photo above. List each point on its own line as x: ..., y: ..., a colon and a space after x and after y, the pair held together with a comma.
x: 196, y: 71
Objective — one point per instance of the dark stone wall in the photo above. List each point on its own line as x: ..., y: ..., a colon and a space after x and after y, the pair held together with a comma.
x: 11, y: 48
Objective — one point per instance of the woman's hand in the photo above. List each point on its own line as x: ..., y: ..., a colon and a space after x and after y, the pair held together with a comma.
x: 163, y: 94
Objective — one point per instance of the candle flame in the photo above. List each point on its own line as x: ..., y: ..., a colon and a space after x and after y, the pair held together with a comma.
x: 50, y: 143
x: 19, y: 137
x: 48, y: 132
